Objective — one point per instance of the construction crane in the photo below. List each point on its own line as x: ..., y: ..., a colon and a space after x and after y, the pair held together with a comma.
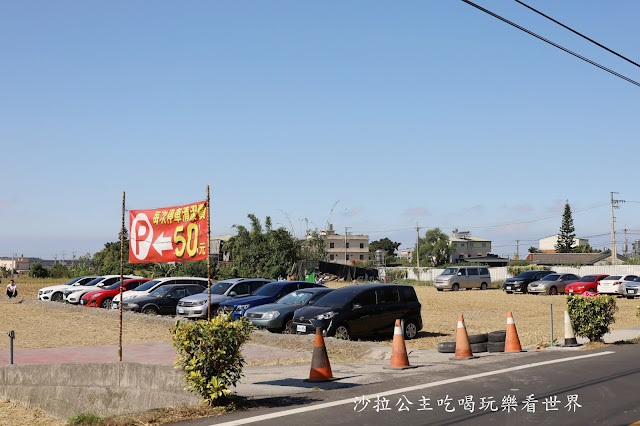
x: 331, y: 214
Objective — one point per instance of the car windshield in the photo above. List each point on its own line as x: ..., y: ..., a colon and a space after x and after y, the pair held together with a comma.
x: 73, y: 281
x: 113, y: 286
x: 219, y: 288
x: 146, y: 286
x: 161, y: 291
x: 450, y: 271
x: 268, y: 290
x: 337, y: 299
x: 587, y: 279
x: 93, y: 282
x: 296, y: 298
x: 637, y: 279
x: 551, y: 277
x: 526, y: 274
x: 612, y: 278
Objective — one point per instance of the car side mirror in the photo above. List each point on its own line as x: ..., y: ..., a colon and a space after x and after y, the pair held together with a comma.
x: 311, y: 302
x: 459, y: 273
x: 233, y: 294
x: 357, y: 306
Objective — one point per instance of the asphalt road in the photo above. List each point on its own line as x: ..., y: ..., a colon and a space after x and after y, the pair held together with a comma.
x: 559, y: 388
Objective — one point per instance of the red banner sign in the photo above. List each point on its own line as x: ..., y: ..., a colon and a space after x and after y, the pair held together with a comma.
x: 169, y: 234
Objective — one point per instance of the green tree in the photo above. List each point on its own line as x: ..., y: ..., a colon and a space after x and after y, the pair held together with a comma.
x: 313, y: 247
x: 435, y: 249
x: 533, y: 249
x: 36, y: 270
x: 567, y: 231
x: 585, y: 248
x: 385, y: 244
x: 265, y: 253
x: 59, y: 271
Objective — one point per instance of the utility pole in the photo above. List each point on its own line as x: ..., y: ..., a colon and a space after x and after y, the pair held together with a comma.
x: 418, y: 243
x: 614, y: 205
x: 518, y: 249
x: 624, y: 248
x: 346, y: 231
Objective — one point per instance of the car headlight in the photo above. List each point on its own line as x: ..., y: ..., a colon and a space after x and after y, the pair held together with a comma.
x: 133, y: 296
x: 200, y: 303
x: 518, y: 282
x: 582, y: 286
x: 271, y: 315
x: 326, y: 315
x: 132, y: 305
x: 47, y: 291
x: 95, y: 295
x: 242, y: 307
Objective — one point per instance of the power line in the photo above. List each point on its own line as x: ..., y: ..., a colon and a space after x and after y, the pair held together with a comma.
x: 552, y: 43
x: 581, y: 35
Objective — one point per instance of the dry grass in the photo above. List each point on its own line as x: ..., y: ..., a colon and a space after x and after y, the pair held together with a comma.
x: 15, y: 414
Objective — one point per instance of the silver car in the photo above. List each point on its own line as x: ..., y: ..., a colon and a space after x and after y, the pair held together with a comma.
x: 463, y: 277
x: 195, y: 306
x: 552, y: 283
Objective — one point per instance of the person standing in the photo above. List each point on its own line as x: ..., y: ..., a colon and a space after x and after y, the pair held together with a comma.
x: 12, y: 289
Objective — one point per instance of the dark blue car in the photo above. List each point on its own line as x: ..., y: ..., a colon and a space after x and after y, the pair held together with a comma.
x: 268, y: 293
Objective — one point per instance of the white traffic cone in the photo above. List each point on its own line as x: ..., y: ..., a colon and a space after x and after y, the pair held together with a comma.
x: 569, y: 336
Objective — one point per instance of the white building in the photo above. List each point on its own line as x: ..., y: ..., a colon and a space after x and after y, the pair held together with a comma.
x: 548, y: 244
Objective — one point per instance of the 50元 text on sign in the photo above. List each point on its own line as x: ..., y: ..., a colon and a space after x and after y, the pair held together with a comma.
x: 169, y: 234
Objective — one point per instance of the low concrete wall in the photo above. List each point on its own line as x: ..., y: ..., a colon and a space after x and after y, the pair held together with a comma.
x: 63, y: 390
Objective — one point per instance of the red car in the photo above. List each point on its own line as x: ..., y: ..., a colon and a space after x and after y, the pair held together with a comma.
x: 586, y: 283
x: 102, y: 298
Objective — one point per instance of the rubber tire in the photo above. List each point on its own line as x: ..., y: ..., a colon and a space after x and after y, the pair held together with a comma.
x: 106, y: 303
x: 455, y: 287
x: 343, y: 331
x: 497, y: 336
x: 478, y: 338
x: 508, y: 292
x: 630, y: 297
x: 412, y: 327
x: 495, y: 346
x: 447, y: 347
x: 286, y: 328
x: 478, y: 347
x: 149, y: 310
x: 57, y: 297
x: 439, y: 289
x: 592, y: 290
x: 553, y: 291
x: 484, y: 286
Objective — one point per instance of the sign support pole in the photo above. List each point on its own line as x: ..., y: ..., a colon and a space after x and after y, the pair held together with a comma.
x: 208, y: 255
x: 122, y: 230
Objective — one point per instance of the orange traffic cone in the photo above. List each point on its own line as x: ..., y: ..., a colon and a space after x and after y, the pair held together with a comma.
x: 399, y: 356
x: 320, y: 366
x: 512, y: 341
x: 463, y: 348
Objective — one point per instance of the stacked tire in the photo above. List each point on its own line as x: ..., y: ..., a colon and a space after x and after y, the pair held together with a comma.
x: 485, y: 342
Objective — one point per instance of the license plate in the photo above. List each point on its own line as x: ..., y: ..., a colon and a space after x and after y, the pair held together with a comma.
x: 180, y: 311
x: 632, y: 291
x: 509, y: 287
x: 570, y: 291
x: 301, y: 328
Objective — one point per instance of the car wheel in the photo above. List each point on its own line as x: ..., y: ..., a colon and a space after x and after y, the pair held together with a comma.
x: 483, y: 286
x: 342, y: 332
x: 509, y: 292
x: 287, y: 326
x: 439, y: 289
x: 106, y: 303
x: 553, y: 291
x: 410, y: 329
x: 455, y: 287
x: 150, y: 310
x: 56, y: 297
x: 592, y: 290
x: 629, y: 297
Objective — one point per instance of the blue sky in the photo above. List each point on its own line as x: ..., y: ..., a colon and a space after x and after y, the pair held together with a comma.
x: 404, y: 113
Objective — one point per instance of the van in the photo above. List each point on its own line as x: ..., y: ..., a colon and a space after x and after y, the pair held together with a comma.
x: 362, y: 310
x: 463, y: 277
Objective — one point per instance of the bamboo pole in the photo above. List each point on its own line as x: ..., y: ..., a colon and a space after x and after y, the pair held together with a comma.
x: 208, y: 255
x: 121, y: 276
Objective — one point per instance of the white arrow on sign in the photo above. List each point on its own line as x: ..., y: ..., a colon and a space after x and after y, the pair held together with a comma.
x: 162, y: 243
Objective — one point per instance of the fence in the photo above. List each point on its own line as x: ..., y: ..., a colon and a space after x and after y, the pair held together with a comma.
x: 501, y: 273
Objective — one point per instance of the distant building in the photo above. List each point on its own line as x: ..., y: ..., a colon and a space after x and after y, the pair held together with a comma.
x: 548, y: 244
x: 467, y: 246
x: 406, y: 254
x: 345, y: 249
x: 553, y: 259
x: 216, y: 248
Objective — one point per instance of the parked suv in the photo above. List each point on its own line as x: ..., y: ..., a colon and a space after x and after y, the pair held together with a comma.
x: 520, y: 282
x: 362, y: 310
x: 195, y: 306
x: 467, y: 277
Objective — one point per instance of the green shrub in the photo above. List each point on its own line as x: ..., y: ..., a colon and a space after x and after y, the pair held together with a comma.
x: 210, y: 354
x: 591, y: 316
x: 85, y: 419
x: 514, y: 270
x: 394, y: 275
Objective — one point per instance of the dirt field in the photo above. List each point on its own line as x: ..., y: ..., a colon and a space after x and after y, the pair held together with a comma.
x: 47, y: 324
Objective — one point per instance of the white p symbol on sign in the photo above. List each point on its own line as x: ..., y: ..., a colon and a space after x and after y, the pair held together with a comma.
x: 141, y: 236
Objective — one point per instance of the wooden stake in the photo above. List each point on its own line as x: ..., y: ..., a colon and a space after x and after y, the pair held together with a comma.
x: 121, y: 276
x: 208, y: 255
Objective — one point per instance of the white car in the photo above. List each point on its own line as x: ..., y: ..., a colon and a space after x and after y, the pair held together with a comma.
x: 614, y: 284
x: 55, y: 293
x: 74, y: 295
x: 149, y: 286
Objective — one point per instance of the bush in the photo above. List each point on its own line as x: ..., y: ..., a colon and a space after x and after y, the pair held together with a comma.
x: 514, y: 270
x: 591, y: 316
x: 38, y: 271
x: 210, y: 354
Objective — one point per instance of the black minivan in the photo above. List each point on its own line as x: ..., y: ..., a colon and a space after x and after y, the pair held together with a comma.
x: 362, y: 310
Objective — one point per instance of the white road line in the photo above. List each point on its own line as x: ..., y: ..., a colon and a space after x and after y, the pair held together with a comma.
x: 404, y: 390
